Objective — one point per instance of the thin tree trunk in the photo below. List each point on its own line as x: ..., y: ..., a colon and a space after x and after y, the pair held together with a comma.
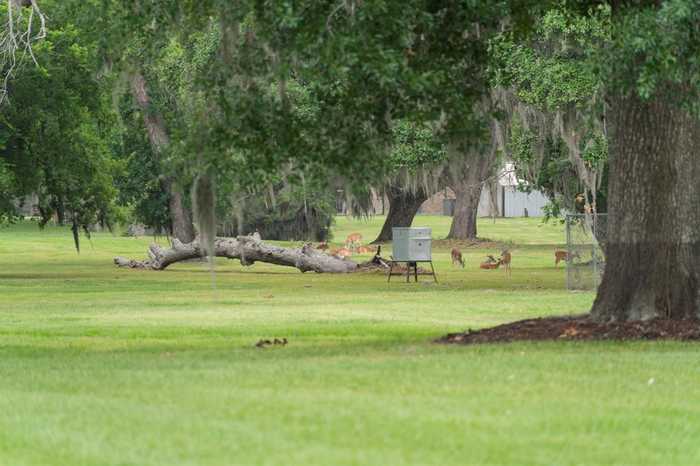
x: 180, y: 215
x: 403, y: 207
x: 653, y: 238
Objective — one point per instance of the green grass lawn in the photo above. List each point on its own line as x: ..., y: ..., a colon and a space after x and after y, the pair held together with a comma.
x: 104, y: 366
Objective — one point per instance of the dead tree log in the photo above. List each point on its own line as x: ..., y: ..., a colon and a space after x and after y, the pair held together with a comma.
x: 247, y: 249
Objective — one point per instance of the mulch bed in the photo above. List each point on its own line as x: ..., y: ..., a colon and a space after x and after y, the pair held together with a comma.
x: 578, y: 328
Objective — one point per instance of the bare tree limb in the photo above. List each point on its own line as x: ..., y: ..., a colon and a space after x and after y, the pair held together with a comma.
x: 247, y: 249
x: 17, y: 36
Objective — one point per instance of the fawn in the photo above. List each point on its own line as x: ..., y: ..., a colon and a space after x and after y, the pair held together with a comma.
x: 505, y: 261
x: 353, y: 240
x: 563, y: 256
x: 342, y: 252
x: 491, y: 263
x: 457, y: 257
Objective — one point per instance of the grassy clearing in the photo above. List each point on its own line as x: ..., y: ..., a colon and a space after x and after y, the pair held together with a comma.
x: 100, y: 366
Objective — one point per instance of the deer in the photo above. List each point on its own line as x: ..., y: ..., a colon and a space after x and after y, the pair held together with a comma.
x: 365, y: 250
x: 505, y: 261
x: 490, y: 263
x: 457, y: 257
x: 563, y: 256
x: 342, y: 252
x: 353, y: 240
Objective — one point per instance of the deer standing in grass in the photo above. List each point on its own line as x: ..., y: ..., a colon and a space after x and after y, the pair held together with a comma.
x: 505, y: 262
x: 353, y: 241
x: 457, y: 257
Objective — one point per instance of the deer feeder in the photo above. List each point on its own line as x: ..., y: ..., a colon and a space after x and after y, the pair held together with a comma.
x: 412, y: 245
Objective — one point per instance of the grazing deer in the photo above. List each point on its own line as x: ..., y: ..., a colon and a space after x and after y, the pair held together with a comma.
x: 505, y: 261
x: 491, y: 263
x: 365, y: 250
x: 563, y: 256
x: 354, y: 240
x: 342, y: 252
x: 457, y: 257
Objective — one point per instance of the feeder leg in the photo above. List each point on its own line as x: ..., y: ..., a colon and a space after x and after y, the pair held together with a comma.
x: 433, y: 269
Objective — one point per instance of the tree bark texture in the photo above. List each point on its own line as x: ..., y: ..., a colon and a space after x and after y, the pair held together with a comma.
x: 653, y: 238
x: 466, y: 209
x: 403, y: 207
x: 180, y: 215
x: 467, y: 173
x: 247, y: 249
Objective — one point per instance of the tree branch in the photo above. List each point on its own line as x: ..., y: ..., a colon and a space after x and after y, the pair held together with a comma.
x: 247, y: 249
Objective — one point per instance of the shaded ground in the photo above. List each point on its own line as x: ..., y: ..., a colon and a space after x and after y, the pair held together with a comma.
x: 579, y: 327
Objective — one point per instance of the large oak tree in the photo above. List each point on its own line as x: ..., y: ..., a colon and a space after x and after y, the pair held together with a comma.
x: 653, y: 249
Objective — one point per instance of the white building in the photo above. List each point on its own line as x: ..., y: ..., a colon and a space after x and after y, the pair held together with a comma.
x: 502, y: 198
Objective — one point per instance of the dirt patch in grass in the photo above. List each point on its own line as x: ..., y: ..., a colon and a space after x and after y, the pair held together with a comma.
x: 373, y: 267
x: 578, y: 328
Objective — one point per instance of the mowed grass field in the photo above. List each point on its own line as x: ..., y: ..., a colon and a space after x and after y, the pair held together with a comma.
x: 106, y: 366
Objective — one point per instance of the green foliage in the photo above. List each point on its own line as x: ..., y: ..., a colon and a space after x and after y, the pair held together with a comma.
x: 298, y: 211
x: 594, y: 150
x: 521, y: 145
x: 654, y: 47
x: 56, y: 130
x: 7, y: 208
x: 559, y: 65
x: 257, y: 91
x: 361, y: 66
x: 139, y: 182
x: 558, y: 69
x: 554, y: 174
x: 414, y: 146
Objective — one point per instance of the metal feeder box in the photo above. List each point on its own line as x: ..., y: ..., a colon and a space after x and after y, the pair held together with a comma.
x: 412, y: 244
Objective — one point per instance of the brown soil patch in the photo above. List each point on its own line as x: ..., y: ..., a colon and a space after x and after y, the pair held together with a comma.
x: 578, y: 328
x: 374, y: 267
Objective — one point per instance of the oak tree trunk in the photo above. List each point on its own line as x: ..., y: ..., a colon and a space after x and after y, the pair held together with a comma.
x: 180, y: 216
x: 403, y: 207
x: 466, y: 209
x: 653, y: 238
x: 466, y: 176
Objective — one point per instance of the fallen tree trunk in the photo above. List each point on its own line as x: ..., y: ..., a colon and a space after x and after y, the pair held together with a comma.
x: 247, y: 249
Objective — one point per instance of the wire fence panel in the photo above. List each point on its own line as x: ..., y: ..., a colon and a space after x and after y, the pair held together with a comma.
x: 586, y: 239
